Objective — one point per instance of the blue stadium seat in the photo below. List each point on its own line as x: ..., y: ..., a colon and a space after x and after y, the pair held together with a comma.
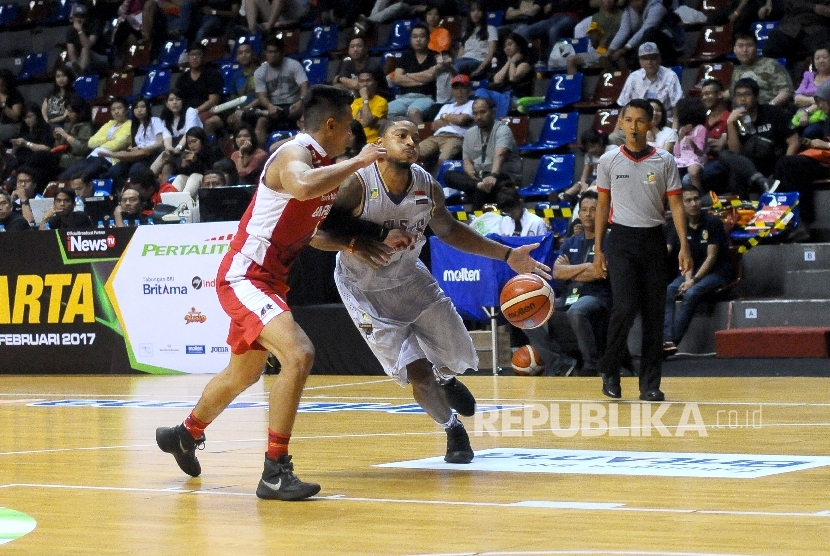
x: 254, y: 40
x: 34, y: 66
x: 762, y: 29
x: 87, y: 86
x: 102, y: 188
x: 156, y: 84
x: 9, y: 13
x: 170, y: 55
x: 447, y: 165
x: 228, y: 70
x: 563, y: 91
x: 496, y: 18
x: 555, y: 173
x: 323, y: 42
x: 559, y: 130
x: 279, y: 136
x: 316, y: 69
x: 60, y: 13
x: 398, y: 37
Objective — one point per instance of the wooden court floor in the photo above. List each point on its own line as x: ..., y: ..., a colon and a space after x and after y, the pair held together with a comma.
x: 78, y: 455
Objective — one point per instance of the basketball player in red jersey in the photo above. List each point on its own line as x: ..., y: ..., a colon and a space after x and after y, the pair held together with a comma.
x: 296, y: 190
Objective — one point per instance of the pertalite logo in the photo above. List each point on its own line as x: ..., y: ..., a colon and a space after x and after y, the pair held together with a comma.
x: 76, y: 244
x: 462, y: 275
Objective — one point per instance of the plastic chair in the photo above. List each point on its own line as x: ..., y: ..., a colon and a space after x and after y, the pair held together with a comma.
x: 119, y: 83
x: 278, y: 136
x: 316, y: 69
x: 773, y: 206
x: 607, y: 91
x: 213, y: 49
x: 61, y: 12
x: 446, y: 166
x: 323, y: 42
x: 36, y: 14
x: 762, y: 29
x: 87, y: 87
x: 605, y: 120
x: 496, y: 18
x: 520, y: 126
x: 9, y: 13
x: 290, y: 40
x: 100, y: 115
x: 555, y: 173
x: 33, y: 67
x: 563, y: 91
x: 559, y: 130
x: 170, y: 55
x: 398, y: 37
x: 102, y: 187
x: 156, y: 84
x: 722, y: 71
x: 254, y: 40
x: 228, y: 70
x: 714, y: 43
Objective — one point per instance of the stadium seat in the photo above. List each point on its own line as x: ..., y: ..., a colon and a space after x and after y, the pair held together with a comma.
x: 605, y: 120
x: 762, y: 29
x: 709, y: 7
x: 102, y: 187
x: 254, y: 40
x: 119, y: 84
x: 563, y: 91
x: 9, y: 13
x: 607, y: 91
x: 171, y: 53
x: 138, y: 56
x: 33, y: 67
x: 390, y: 61
x: 35, y: 14
x: 558, y: 223
x: 290, y: 40
x: 446, y: 166
x: 559, y: 130
x: 714, y: 43
x: 452, y: 23
x: 316, y: 69
x: 277, y: 136
x: 213, y: 49
x: 60, y: 13
x: 323, y: 42
x: 156, y: 84
x: 100, y: 115
x: 555, y: 173
x: 520, y: 126
x: 722, y: 71
x: 773, y: 205
x: 496, y: 18
x: 398, y: 37
x: 227, y: 69
x: 87, y: 87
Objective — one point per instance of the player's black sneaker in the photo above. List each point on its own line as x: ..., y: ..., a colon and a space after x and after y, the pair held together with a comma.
x: 178, y: 441
x: 459, y: 397
x: 280, y: 483
x: 458, y: 445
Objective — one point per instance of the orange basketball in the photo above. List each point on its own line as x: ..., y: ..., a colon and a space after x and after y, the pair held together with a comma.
x: 527, y: 301
x: 526, y: 362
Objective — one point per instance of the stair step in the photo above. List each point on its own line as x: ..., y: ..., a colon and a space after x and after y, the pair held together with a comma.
x: 756, y: 313
x: 807, y: 284
x: 802, y: 341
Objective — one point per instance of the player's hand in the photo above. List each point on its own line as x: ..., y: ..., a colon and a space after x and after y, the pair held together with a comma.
x: 600, y: 267
x: 521, y: 261
x: 370, y: 153
x: 373, y: 252
x: 398, y: 240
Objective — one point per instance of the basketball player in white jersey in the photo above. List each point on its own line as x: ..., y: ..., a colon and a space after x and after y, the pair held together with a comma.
x: 408, y: 322
x: 296, y: 190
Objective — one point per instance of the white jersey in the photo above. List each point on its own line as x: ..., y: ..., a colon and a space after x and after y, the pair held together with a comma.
x: 411, y: 211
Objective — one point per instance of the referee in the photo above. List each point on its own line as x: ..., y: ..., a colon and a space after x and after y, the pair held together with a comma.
x: 633, y: 183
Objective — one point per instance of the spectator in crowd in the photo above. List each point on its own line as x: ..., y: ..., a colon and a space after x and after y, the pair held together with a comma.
x: 652, y: 81
x: 717, y: 112
x: 214, y: 178
x: 11, y: 107
x: 385, y: 11
x: 248, y: 157
x: 774, y: 82
x: 516, y: 220
x: 144, y: 180
x: 743, y: 13
x: 146, y: 140
x: 263, y: 16
x: 113, y: 136
x: 62, y: 214
x: 177, y: 120
x: 82, y: 187
x: 559, y: 18
x: 711, y: 268
x: 128, y: 212
x: 228, y: 168
x: 281, y: 84
x: 204, y: 18
x: 242, y: 84
x: 35, y: 136
x: 661, y: 135
x: 440, y: 40
x: 598, y: 39
x: 797, y: 172
x: 582, y: 294
x: 593, y: 143
x: 194, y: 161
x: 514, y: 79
x: 690, y: 148
x: 490, y: 154
x: 27, y: 186
x: 357, y: 62
x: 128, y: 28
x: 201, y: 87
x: 369, y: 108
x: 478, y: 44
x: 86, y: 49
x: 645, y: 21
x: 757, y: 135
x: 449, y: 127
x: 809, y: 115
x: 11, y: 221
x: 520, y: 13
x: 415, y: 77
x: 54, y: 105
x: 803, y: 27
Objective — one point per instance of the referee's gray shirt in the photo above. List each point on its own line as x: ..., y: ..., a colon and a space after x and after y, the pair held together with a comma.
x: 638, y: 187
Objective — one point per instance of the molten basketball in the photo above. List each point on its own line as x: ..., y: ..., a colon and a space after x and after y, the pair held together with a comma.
x: 526, y: 362
x: 527, y: 301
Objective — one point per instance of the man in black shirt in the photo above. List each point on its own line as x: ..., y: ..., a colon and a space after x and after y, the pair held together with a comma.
x: 415, y: 77
x: 201, y: 88
x: 86, y: 48
x: 711, y: 267
x: 10, y: 221
x: 62, y: 214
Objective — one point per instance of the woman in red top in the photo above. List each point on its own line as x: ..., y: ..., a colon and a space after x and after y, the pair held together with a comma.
x: 248, y: 157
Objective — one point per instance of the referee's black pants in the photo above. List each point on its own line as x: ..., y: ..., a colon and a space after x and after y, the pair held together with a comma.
x: 637, y: 270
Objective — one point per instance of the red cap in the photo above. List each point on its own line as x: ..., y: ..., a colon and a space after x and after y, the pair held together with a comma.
x: 460, y: 78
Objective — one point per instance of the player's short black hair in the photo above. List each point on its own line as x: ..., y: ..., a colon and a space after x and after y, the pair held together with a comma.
x: 323, y: 102
x: 386, y: 123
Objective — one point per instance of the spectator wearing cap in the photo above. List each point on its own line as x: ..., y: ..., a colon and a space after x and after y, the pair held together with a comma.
x: 369, y: 108
x: 646, y: 21
x: 652, y: 80
x: 450, y: 125
x: 85, y: 48
x: 798, y: 172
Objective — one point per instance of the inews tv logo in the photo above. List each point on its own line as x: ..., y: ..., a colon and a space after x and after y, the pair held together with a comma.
x: 89, y: 241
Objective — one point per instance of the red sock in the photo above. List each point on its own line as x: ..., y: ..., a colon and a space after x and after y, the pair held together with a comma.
x: 277, y: 444
x: 194, y: 426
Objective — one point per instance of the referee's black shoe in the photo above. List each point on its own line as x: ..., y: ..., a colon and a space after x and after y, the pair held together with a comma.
x: 653, y: 395
x: 459, y: 397
x: 611, y: 386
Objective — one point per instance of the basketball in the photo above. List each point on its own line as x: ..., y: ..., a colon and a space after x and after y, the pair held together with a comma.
x: 527, y: 301
x: 526, y: 362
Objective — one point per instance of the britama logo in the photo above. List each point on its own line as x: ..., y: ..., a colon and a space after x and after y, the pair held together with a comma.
x: 158, y: 289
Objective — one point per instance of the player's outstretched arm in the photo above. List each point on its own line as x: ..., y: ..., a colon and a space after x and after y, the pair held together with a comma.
x: 293, y: 172
x: 464, y: 238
